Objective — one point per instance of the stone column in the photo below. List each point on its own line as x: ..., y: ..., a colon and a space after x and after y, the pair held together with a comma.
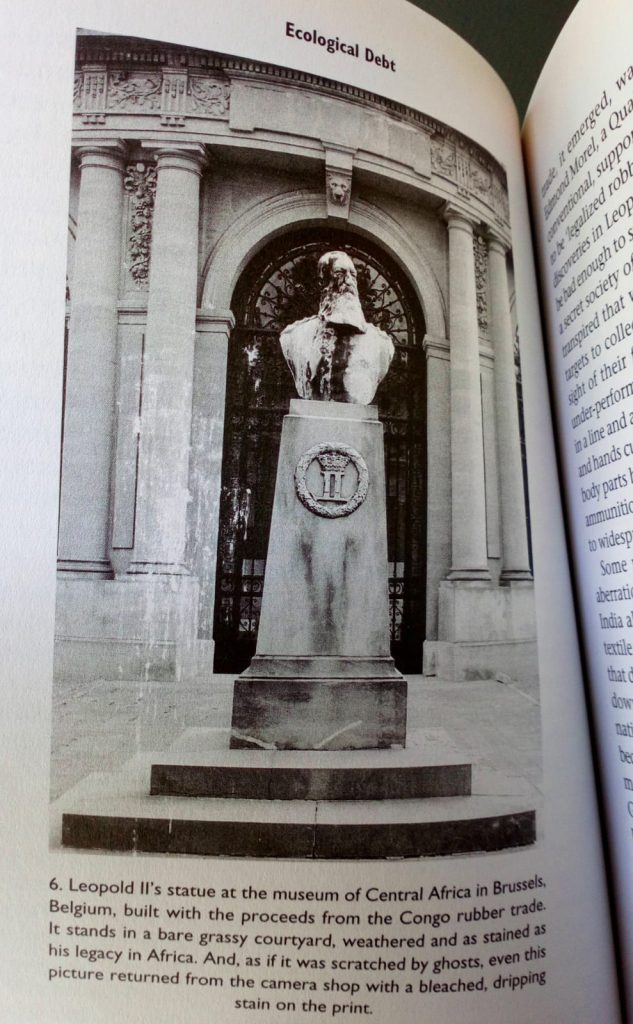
x: 91, y: 365
x: 163, y: 486
x: 205, y: 471
x: 438, y: 437
x: 468, y: 502
x: 515, y: 558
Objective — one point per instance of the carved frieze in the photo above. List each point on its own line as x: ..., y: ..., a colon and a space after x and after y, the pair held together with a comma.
x: 140, y: 184
x: 174, y: 83
x: 480, y: 181
x: 93, y: 97
x: 173, y: 98
x: 500, y: 200
x: 78, y: 88
x: 442, y: 156
x: 463, y: 176
x: 128, y: 90
x: 338, y: 487
x: 481, y: 280
x: 208, y: 96
x: 462, y: 165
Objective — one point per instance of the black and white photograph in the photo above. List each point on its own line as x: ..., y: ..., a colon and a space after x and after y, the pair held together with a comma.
x: 295, y: 597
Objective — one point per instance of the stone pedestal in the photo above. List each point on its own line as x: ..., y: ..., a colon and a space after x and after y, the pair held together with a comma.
x: 322, y: 676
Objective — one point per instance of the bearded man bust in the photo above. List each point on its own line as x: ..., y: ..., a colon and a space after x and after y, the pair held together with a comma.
x: 337, y: 356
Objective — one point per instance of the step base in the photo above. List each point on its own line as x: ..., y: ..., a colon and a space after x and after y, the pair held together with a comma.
x: 341, y: 841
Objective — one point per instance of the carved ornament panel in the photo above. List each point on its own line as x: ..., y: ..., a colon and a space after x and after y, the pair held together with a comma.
x: 208, y: 96
x: 129, y: 90
x: 481, y: 280
x: 331, y: 480
x: 140, y: 184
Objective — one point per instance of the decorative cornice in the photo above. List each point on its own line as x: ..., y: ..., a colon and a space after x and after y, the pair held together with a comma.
x: 118, y: 75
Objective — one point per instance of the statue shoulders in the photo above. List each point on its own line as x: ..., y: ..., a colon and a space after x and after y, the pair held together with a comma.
x: 378, y: 331
x: 299, y: 327
x: 386, y: 341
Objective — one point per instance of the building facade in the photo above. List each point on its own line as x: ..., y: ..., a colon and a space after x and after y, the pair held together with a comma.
x: 204, y: 188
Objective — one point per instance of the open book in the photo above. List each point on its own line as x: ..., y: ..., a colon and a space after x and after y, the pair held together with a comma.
x: 319, y: 607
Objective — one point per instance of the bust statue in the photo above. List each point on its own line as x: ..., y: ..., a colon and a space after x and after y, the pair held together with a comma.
x: 336, y: 356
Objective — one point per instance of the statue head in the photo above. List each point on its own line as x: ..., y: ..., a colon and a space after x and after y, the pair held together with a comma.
x: 337, y: 356
x: 339, y: 303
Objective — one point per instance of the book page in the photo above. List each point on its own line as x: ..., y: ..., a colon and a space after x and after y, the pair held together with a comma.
x: 578, y: 139
x: 294, y: 724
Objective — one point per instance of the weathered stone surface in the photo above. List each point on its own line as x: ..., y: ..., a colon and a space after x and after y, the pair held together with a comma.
x: 113, y: 810
x: 323, y: 676
x: 354, y: 362
x: 334, y: 145
x: 322, y: 591
x: 401, y: 836
x: 362, y: 782
x: 319, y: 714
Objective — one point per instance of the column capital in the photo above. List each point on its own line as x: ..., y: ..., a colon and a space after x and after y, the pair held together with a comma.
x: 457, y: 217
x: 109, y: 154
x: 184, y: 156
x: 496, y: 243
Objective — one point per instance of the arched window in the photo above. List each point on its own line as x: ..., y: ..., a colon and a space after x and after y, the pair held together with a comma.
x: 278, y: 287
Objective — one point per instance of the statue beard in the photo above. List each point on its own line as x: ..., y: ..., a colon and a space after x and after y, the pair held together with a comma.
x: 342, y: 307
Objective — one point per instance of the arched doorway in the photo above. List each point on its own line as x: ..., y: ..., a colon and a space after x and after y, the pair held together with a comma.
x: 278, y: 287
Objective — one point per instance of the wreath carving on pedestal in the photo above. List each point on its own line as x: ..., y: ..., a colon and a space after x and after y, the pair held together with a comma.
x: 333, y: 459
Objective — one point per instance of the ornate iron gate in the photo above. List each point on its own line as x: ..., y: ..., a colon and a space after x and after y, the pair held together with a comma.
x: 279, y: 287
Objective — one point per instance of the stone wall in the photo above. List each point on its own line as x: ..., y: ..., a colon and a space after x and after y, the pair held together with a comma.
x: 186, y: 165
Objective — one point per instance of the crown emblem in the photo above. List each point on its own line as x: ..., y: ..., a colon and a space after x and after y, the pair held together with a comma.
x: 333, y: 462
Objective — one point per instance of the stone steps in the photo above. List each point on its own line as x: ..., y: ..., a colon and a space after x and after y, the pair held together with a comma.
x: 115, y: 811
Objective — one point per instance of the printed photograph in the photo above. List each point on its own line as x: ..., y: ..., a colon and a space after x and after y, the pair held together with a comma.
x: 295, y: 601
